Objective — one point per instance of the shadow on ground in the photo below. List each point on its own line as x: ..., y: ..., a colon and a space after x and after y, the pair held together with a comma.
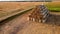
x: 12, y: 17
x: 53, y: 19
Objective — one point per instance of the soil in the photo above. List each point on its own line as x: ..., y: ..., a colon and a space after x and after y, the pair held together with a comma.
x: 21, y: 25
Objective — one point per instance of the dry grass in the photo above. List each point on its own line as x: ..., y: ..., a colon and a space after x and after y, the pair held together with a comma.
x: 7, y: 7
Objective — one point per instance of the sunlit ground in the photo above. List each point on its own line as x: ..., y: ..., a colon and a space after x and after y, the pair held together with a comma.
x: 8, y: 7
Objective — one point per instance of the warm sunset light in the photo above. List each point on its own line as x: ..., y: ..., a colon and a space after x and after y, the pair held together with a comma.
x: 29, y: 17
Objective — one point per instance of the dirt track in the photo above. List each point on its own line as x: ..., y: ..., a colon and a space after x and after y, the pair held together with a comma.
x: 20, y: 25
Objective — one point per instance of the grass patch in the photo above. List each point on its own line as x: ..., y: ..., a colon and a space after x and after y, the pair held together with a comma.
x: 54, y: 9
x: 53, y: 6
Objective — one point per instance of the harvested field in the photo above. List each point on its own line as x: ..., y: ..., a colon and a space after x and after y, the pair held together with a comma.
x: 9, y: 7
x: 20, y: 25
